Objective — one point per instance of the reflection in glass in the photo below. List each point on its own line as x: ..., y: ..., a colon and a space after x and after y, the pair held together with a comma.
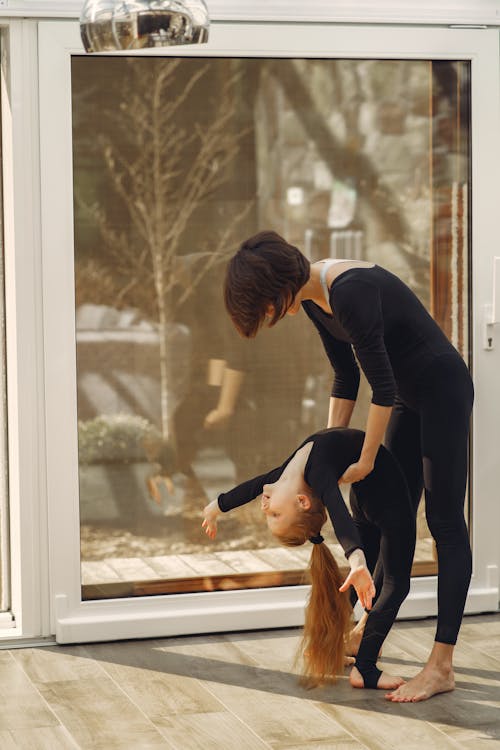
x: 176, y: 161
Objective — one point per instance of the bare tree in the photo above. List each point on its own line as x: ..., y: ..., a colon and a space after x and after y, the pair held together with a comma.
x: 163, y: 173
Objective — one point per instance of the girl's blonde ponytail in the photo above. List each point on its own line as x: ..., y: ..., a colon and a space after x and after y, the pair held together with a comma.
x: 328, y: 612
x: 327, y: 620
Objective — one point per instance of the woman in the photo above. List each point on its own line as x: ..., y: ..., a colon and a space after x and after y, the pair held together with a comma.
x: 422, y: 397
x: 294, y: 498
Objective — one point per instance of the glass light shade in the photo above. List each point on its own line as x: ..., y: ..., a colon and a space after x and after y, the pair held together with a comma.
x: 110, y: 25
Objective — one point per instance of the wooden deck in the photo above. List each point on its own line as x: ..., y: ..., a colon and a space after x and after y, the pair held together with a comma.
x: 214, y: 571
x: 230, y: 691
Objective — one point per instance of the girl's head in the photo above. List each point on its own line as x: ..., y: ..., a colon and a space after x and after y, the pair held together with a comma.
x: 295, y: 516
x: 293, y: 513
x: 262, y: 281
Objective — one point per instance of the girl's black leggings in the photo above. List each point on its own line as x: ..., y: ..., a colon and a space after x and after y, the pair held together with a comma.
x: 387, y: 529
x: 428, y: 435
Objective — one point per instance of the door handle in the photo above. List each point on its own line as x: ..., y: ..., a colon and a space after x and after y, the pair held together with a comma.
x: 491, y: 311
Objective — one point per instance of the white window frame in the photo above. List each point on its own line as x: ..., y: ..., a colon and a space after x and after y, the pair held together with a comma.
x: 42, y: 381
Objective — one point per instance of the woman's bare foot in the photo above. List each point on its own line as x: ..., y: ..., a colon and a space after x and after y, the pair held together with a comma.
x: 386, y: 681
x: 430, y: 681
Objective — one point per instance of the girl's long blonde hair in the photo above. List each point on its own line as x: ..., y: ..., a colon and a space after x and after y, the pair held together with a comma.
x: 328, y: 612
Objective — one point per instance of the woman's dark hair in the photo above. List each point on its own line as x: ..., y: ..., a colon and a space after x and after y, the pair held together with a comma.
x: 329, y: 612
x: 265, y: 271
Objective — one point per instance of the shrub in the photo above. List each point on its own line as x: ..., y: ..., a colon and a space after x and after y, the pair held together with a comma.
x: 117, y: 438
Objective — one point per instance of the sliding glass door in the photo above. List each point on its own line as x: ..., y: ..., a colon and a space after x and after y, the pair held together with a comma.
x: 155, y: 168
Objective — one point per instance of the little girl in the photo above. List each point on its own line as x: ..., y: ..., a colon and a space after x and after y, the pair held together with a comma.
x: 295, y: 498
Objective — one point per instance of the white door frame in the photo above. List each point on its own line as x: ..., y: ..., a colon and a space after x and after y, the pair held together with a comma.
x: 74, y: 620
x: 24, y: 334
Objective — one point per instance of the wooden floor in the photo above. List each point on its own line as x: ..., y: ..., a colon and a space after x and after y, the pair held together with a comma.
x: 236, y: 691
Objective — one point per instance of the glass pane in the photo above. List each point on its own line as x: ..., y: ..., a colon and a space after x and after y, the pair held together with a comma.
x: 175, y: 162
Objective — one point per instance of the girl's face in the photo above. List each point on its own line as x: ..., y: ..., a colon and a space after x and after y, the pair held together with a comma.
x: 281, y: 502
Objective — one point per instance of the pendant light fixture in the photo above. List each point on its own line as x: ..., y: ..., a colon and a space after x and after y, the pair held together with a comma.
x: 127, y: 25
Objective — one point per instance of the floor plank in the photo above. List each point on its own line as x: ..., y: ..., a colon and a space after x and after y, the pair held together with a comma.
x: 41, y: 738
x: 21, y: 704
x: 98, y: 715
x: 151, y: 681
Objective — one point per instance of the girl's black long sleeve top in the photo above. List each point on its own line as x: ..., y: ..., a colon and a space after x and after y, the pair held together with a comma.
x: 332, y: 452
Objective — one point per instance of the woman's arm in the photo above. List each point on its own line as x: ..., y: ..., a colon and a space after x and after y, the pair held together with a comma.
x: 376, y: 425
x: 346, y: 381
x: 229, y: 392
x: 340, y: 412
x: 359, y: 309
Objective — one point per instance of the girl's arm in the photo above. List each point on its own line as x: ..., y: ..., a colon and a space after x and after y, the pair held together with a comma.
x: 348, y: 536
x: 240, y: 495
x: 360, y: 578
x: 329, y: 456
x: 211, y: 513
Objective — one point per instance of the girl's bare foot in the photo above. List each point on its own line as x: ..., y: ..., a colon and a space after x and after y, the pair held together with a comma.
x: 386, y: 681
x: 430, y: 681
x: 353, y: 641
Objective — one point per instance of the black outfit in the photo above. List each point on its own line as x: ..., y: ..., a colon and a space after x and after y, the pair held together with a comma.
x: 382, y: 520
x: 411, y: 365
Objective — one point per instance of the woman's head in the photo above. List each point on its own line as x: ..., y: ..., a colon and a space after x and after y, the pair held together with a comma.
x: 262, y: 281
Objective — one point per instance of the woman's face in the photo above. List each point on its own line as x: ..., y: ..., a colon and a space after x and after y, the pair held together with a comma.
x: 281, y: 502
x: 293, y: 309
x: 295, y: 306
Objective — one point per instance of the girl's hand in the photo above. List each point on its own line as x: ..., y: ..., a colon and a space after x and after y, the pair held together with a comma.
x: 356, y: 472
x: 211, y: 512
x: 362, y: 581
x: 360, y: 578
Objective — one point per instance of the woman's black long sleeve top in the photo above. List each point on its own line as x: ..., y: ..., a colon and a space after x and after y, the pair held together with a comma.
x: 378, y: 318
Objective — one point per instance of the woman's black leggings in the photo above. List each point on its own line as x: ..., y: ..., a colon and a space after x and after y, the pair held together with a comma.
x: 428, y: 435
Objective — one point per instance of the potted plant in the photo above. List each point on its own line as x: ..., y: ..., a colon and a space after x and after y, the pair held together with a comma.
x: 122, y: 458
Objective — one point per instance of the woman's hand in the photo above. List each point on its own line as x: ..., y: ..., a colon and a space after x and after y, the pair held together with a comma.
x: 216, y: 418
x: 356, y: 472
x: 360, y: 578
x: 211, y: 512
